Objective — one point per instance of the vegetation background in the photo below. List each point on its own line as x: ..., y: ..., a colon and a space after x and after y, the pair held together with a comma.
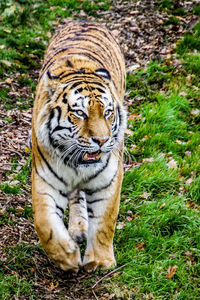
x: 157, y: 240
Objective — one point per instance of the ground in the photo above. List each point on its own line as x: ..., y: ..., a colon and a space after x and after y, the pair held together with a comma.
x: 161, y: 159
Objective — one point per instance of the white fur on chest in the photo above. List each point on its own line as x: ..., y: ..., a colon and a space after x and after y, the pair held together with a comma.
x: 83, y: 177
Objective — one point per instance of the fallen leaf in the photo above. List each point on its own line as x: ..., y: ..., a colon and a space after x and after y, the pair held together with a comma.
x: 6, y: 62
x: 188, y: 253
x: 32, y: 270
x: 180, y: 142
x: 150, y: 159
x: 115, y: 274
x: 120, y: 225
x: 128, y: 132
x: 172, y: 164
x: 9, y: 80
x: 52, y: 286
x: 134, y: 116
x: 188, y: 153
x: 162, y: 205
x: 7, y: 30
x: 190, y: 204
x: 150, y: 296
x: 145, y: 195
x: 140, y: 246
x: 115, y: 32
x: 19, y: 209
x: 189, y: 181
x: 130, y: 218
x: 133, y: 68
x: 144, y: 138
x: 171, y: 271
x: 183, y: 93
x: 195, y: 112
x: 27, y: 149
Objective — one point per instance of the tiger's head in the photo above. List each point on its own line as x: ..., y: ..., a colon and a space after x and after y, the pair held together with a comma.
x: 82, y: 120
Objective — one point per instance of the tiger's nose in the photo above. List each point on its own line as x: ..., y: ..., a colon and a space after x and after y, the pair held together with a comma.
x: 99, y: 141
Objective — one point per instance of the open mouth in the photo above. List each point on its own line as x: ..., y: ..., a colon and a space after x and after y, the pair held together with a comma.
x: 91, y: 157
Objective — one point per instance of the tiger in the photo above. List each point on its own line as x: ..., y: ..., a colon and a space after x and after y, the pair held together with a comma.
x: 78, y: 127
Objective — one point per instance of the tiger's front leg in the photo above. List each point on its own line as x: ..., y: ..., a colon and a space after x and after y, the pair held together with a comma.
x: 103, y: 207
x: 51, y: 230
x: 78, y: 217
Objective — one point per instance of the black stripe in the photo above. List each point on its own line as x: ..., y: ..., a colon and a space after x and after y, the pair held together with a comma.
x: 58, y: 128
x: 90, y: 192
x: 77, y: 201
x: 51, y: 116
x: 50, y: 168
x: 105, y: 74
x: 60, y: 192
x: 98, y: 172
x: 51, y: 76
x: 84, y: 218
x: 60, y: 208
x: 64, y: 100
x: 69, y: 63
x: 120, y: 118
x: 59, y: 113
x: 92, y: 57
x: 89, y: 210
x: 63, y: 194
x: 57, y: 206
x: 43, y: 178
x: 115, y: 124
x: 58, y: 215
x: 98, y: 42
x: 94, y: 217
x: 94, y: 201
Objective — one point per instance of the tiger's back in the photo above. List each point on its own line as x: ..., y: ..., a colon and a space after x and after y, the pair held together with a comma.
x: 77, y: 135
x: 92, y: 44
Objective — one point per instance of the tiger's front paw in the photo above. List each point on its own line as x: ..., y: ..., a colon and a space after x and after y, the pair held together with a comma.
x: 78, y: 234
x: 65, y: 254
x: 94, y: 261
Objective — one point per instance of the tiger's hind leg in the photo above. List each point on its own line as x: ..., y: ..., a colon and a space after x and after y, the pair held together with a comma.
x: 78, y: 217
x: 48, y: 208
x: 103, y: 206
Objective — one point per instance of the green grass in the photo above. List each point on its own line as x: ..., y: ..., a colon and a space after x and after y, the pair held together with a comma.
x: 191, y: 41
x: 159, y: 210
x: 13, y: 285
x: 196, y: 9
x: 164, y: 228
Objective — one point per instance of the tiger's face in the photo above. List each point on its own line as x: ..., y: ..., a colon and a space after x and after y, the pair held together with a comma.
x: 85, y: 123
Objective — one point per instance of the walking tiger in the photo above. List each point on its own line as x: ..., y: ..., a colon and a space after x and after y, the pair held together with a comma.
x: 77, y: 145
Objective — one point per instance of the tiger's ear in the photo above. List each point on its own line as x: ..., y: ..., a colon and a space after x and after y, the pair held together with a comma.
x: 103, y: 73
x: 50, y: 82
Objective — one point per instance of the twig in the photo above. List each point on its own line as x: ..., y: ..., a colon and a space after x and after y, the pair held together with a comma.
x: 94, y: 295
x: 102, y: 278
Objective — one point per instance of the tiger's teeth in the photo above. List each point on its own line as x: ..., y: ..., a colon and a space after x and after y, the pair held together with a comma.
x: 91, y: 156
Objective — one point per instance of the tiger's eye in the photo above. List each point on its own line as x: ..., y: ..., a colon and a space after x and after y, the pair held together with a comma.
x: 108, y: 113
x: 80, y: 113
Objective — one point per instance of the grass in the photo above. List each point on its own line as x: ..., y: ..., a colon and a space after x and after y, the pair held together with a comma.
x: 159, y: 214
x: 160, y: 200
